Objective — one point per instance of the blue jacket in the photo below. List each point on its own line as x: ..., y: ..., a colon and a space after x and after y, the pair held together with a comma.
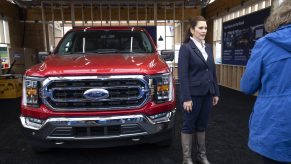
x: 197, y: 77
x: 268, y: 71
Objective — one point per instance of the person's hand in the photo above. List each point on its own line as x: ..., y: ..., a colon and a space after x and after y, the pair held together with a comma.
x: 215, y: 100
x: 187, y: 105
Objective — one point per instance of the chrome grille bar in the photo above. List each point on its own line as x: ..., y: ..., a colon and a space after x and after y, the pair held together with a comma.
x: 66, y: 93
x: 79, y: 93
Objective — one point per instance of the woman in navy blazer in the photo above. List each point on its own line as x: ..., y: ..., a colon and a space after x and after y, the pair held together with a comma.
x: 198, y: 88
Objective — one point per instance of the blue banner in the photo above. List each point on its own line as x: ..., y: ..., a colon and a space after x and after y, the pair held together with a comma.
x: 240, y: 35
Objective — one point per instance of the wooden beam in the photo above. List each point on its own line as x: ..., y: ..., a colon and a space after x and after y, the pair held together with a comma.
x: 35, y: 14
x: 8, y: 9
x: 219, y: 6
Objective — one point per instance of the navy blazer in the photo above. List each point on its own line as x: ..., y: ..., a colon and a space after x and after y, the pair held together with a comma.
x: 197, y: 77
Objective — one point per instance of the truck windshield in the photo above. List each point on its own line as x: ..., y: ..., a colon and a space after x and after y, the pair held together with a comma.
x: 105, y: 41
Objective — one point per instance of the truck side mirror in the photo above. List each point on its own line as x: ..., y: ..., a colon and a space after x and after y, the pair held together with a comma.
x: 43, y: 55
x: 168, y: 55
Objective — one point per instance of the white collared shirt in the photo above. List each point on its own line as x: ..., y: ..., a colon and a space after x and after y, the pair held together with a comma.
x: 201, y: 47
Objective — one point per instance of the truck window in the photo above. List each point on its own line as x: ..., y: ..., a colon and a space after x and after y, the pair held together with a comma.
x: 105, y: 41
x: 66, y: 46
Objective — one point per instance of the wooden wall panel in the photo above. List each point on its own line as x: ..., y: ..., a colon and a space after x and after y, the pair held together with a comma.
x: 35, y: 14
x: 219, y: 6
x: 229, y: 75
x: 11, y: 13
x: 34, y: 36
x: 209, y: 36
x: 16, y: 31
x: 8, y: 9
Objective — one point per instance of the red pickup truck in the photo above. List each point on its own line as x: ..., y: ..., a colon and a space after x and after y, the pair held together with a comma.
x: 101, y: 87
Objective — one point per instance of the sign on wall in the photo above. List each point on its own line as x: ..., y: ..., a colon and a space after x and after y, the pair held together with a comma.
x: 240, y: 35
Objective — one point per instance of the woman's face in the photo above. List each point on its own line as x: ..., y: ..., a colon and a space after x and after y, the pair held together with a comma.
x: 200, y: 30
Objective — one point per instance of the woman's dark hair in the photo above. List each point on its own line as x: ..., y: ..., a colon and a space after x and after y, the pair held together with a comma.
x: 193, y: 23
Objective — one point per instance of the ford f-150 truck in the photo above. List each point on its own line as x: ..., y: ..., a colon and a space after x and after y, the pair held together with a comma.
x: 100, y: 87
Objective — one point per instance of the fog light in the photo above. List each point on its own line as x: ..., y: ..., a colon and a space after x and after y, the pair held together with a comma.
x: 32, y: 123
x: 35, y: 120
x: 162, y: 117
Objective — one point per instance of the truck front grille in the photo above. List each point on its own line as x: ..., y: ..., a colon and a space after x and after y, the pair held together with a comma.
x: 67, y: 93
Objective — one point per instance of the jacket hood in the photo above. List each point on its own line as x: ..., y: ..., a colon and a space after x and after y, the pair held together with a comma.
x: 281, y: 37
x: 99, y: 64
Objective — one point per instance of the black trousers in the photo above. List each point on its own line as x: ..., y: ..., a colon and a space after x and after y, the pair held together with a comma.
x: 197, y: 119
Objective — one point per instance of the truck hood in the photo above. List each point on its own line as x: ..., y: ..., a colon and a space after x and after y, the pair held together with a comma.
x: 99, y: 64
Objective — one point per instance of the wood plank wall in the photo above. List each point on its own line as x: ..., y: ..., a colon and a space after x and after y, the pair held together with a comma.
x: 229, y: 75
x: 34, y: 14
x: 11, y: 13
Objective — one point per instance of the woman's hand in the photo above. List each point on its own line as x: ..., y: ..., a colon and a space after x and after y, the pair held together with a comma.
x: 187, y: 105
x: 215, y: 100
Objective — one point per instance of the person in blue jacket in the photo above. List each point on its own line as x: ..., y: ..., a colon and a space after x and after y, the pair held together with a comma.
x: 268, y: 71
x: 198, y: 88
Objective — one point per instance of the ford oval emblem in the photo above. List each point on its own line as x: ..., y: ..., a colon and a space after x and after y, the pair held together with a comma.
x: 96, y: 94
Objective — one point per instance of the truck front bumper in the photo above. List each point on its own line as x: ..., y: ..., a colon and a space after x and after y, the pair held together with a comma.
x: 98, y: 131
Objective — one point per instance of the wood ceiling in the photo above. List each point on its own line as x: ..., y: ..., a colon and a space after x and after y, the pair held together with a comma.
x: 56, y: 3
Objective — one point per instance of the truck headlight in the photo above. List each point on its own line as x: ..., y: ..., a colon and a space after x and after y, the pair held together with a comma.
x: 162, y: 87
x: 30, y: 94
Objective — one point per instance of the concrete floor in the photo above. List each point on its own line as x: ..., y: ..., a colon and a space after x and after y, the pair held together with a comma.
x: 226, y: 139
